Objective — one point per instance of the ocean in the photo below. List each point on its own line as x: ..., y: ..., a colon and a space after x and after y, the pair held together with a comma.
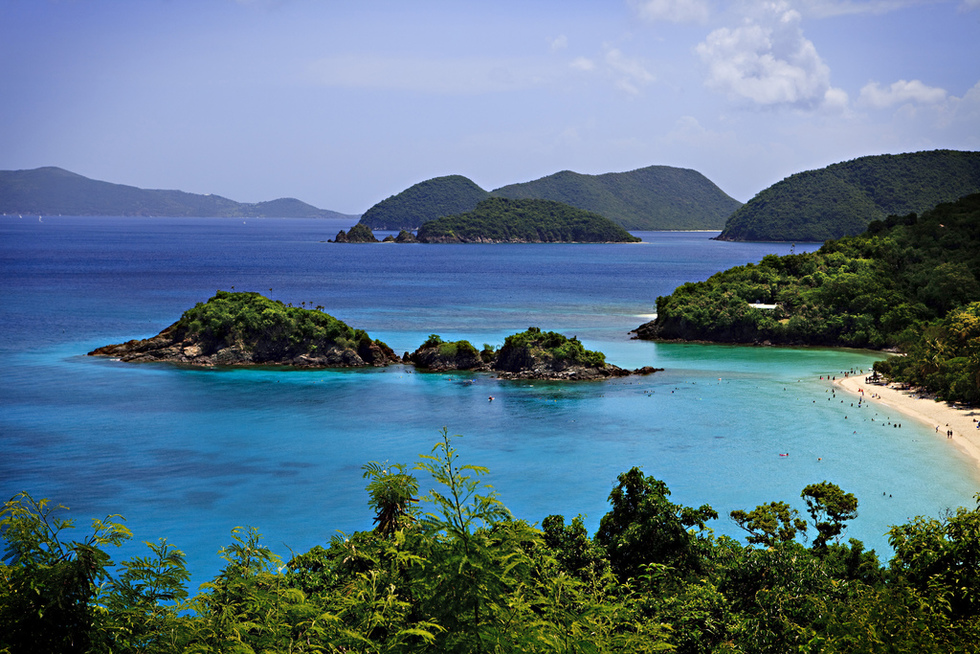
x: 190, y: 454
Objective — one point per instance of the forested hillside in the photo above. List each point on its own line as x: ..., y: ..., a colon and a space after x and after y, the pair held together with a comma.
x: 452, y: 570
x: 428, y: 200
x: 656, y: 197
x: 54, y: 191
x: 500, y: 220
x: 842, y: 199
x: 892, y: 286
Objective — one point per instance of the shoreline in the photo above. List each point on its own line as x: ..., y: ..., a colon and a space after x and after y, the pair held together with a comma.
x: 941, y: 416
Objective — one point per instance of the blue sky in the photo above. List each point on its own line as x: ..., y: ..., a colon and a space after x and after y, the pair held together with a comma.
x: 343, y: 103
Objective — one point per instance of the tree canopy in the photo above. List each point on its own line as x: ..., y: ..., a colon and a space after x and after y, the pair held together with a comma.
x: 452, y: 570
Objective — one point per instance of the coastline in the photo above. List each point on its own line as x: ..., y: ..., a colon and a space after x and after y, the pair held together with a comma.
x: 941, y: 416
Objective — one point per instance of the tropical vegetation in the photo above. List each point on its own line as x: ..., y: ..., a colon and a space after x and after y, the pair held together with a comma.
x: 452, y: 570
x: 520, y: 350
x: 499, y: 220
x: 908, y: 282
x: 652, y: 198
x: 425, y: 201
x: 843, y: 199
x: 269, y: 329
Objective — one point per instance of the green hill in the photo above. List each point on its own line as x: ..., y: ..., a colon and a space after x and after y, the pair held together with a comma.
x: 55, y: 191
x: 842, y: 199
x: 656, y: 197
x: 428, y: 200
x: 501, y: 220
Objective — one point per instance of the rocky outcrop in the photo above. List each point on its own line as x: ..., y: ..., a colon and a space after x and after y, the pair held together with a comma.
x: 169, y: 347
x: 438, y: 356
x: 534, y: 354
x: 358, y: 234
x: 246, y: 329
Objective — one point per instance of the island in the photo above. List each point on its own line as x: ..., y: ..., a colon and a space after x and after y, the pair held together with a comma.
x: 359, y: 233
x: 531, y: 354
x: 500, y: 220
x: 248, y: 329
x: 239, y: 329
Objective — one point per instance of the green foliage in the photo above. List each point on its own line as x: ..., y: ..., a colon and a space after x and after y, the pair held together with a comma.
x: 271, y: 330
x: 501, y: 220
x: 464, y: 576
x: 359, y: 233
x: 425, y: 201
x: 521, y: 350
x: 769, y: 524
x: 829, y: 508
x: 645, y: 527
x: 842, y: 199
x: 940, y: 558
x: 392, y: 494
x: 880, y: 289
x: 946, y: 359
x: 49, y: 586
x: 656, y: 197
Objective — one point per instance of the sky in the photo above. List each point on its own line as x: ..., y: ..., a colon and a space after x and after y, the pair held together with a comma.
x: 342, y: 103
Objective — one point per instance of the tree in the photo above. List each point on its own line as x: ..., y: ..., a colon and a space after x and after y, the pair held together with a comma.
x: 47, y: 584
x: 471, y: 573
x: 829, y: 508
x: 941, y: 558
x: 768, y: 524
x: 645, y: 527
x: 392, y: 494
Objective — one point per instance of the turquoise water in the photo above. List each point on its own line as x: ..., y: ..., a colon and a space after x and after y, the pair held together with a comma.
x: 190, y: 454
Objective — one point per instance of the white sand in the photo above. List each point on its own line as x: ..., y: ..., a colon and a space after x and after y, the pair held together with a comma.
x: 934, y: 413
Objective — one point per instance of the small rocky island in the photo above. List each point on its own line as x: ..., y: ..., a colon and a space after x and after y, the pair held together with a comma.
x: 248, y: 329
x: 501, y: 220
x: 532, y: 354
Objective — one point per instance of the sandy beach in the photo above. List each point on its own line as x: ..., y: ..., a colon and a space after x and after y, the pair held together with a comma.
x: 941, y: 416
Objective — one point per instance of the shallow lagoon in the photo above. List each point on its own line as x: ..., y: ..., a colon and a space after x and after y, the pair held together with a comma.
x: 190, y: 454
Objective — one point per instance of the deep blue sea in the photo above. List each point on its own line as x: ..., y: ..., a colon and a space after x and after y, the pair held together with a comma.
x: 190, y: 454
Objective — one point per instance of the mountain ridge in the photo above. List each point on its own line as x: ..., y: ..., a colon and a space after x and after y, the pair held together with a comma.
x: 654, y: 197
x: 51, y: 190
x: 842, y: 199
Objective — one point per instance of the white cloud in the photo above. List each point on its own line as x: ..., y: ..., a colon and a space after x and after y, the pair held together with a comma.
x: 675, y: 11
x: 768, y: 61
x: 630, y: 73
x: 559, y: 43
x: 970, y: 4
x: 901, y: 92
x: 583, y: 64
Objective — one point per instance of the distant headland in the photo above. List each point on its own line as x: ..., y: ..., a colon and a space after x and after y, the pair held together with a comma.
x: 55, y: 191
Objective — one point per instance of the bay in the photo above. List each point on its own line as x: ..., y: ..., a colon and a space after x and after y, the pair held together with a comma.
x: 190, y: 454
